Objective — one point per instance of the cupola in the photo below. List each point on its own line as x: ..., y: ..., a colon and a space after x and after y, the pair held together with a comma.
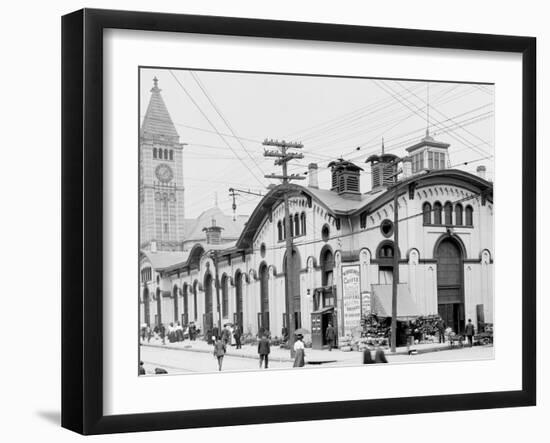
x: 428, y: 154
x: 346, y: 179
x: 383, y: 169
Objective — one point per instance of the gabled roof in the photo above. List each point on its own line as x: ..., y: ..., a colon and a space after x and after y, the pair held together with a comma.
x: 337, y: 205
x: 157, y: 123
x: 333, y: 203
x: 164, y: 259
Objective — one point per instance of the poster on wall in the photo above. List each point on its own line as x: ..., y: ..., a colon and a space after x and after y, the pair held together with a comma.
x: 351, y: 293
x: 366, y: 303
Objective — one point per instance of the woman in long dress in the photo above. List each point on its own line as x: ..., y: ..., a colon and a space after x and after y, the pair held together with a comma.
x: 299, y: 348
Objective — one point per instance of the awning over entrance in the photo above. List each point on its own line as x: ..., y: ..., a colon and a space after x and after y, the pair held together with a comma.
x: 382, y: 306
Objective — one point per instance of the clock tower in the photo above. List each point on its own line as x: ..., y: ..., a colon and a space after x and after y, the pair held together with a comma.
x: 160, y: 179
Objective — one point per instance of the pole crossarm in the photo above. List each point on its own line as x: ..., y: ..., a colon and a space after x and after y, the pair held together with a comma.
x: 285, y: 177
x: 282, y: 144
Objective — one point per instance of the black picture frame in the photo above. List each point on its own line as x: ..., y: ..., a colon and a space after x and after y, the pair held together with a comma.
x: 82, y: 219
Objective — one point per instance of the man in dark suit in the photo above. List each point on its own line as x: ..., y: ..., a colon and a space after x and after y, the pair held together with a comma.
x: 264, y: 348
x: 330, y: 335
x: 470, y: 331
x: 237, y: 334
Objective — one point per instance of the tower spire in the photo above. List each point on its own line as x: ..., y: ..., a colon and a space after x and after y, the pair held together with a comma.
x: 382, y: 145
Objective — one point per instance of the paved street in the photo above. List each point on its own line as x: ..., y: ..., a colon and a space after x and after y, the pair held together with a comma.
x: 175, y: 360
x: 185, y: 361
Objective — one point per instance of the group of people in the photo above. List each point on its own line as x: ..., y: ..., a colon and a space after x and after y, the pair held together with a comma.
x: 469, y: 331
x: 175, y: 332
x: 379, y: 356
x: 264, y: 349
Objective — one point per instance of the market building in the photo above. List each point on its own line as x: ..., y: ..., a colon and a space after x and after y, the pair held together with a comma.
x: 343, y: 250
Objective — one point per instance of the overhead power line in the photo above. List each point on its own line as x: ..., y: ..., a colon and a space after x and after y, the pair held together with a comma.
x: 213, y: 126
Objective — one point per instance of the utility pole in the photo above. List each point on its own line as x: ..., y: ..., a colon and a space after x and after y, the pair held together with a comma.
x: 214, y: 254
x: 283, y: 156
x: 233, y: 192
x: 395, y: 277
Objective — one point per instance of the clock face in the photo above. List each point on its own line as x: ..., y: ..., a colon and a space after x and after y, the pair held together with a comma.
x: 164, y: 173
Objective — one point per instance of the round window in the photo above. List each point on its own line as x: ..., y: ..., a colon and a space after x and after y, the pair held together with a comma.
x: 325, y: 232
x: 262, y: 250
x: 386, y: 227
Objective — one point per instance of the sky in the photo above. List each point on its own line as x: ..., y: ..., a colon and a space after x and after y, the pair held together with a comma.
x: 223, y: 117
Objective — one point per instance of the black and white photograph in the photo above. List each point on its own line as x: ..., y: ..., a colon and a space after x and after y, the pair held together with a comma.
x: 293, y: 222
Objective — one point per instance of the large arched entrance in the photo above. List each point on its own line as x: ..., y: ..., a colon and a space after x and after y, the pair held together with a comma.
x: 450, y: 283
x: 292, y: 287
x: 263, y: 315
x: 146, y: 308
x: 208, y: 319
x: 185, y: 315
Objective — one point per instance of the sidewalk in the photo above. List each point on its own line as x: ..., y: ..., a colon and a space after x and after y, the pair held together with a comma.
x: 313, y: 356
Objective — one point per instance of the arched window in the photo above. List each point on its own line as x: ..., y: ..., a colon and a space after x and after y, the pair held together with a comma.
x: 166, y: 154
x: 296, y: 225
x: 154, y: 152
x: 171, y: 154
x: 291, y: 226
x: 327, y: 266
x: 279, y: 230
x: 437, y: 213
x: 303, y: 222
x: 225, y: 296
x: 427, y: 211
x: 458, y: 214
x: 448, y: 213
x: 469, y: 216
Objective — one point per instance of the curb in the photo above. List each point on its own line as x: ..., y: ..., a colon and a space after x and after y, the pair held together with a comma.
x: 287, y: 359
x: 207, y: 351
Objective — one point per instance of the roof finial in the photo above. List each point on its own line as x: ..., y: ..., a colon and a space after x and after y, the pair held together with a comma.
x: 155, y: 85
x: 382, y: 145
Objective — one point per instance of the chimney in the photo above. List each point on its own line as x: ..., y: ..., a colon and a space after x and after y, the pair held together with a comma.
x: 213, y: 234
x: 482, y: 172
x: 407, y: 167
x: 312, y: 171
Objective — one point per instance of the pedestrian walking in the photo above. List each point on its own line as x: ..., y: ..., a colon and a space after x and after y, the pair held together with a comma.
x: 441, y: 330
x: 237, y: 335
x: 299, y: 348
x: 219, y: 352
x: 226, y: 335
x: 330, y: 335
x: 143, y: 331
x: 179, y: 331
x: 367, y: 357
x: 380, y: 356
x: 192, y: 331
x: 470, y: 331
x: 162, y: 333
x: 171, y: 333
x: 264, y: 348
